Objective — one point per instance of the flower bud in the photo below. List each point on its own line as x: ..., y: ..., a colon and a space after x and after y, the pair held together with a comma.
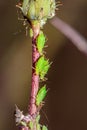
x: 38, y: 10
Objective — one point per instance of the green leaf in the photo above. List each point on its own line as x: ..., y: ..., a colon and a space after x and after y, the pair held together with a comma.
x: 40, y: 42
x: 44, y: 127
x: 41, y: 95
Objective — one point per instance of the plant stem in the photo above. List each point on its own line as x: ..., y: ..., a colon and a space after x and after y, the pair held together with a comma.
x: 35, y: 78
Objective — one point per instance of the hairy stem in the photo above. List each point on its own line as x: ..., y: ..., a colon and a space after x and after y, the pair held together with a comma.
x: 35, y: 78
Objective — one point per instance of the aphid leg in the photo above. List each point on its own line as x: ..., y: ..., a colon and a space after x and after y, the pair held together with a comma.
x: 56, y: 8
x: 33, y: 45
x: 22, y: 19
x: 44, y: 79
x: 45, y: 46
x: 58, y: 4
x: 44, y: 52
x: 33, y: 67
x: 40, y: 106
x: 18, y: 6
x: 25, y: 23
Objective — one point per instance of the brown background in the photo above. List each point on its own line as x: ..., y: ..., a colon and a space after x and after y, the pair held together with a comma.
x: 66, y: 103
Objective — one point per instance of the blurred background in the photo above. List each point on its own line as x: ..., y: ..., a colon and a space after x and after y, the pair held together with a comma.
x: 66, y: 103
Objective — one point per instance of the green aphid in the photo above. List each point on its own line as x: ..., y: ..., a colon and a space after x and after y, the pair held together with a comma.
x: 45, y: 69
x: 38, y: 118
x: 40, y: 42
x: 23, y: 123
x: 38, y: 126
x: 42, y: 66
x: 39, y: 65
x: 31, y: 125
x: 31, y: 32
x: 44, y: 127
x: 41, y: 95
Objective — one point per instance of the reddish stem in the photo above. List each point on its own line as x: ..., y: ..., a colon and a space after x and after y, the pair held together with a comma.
x: 35, y: 78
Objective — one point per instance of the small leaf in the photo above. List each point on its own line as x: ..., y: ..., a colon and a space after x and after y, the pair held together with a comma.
x: 41, y: 95
x: 40, y: 42
x: 44, y: 127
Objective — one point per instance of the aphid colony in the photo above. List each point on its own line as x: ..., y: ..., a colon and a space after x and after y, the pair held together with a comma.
x: 37, y: 12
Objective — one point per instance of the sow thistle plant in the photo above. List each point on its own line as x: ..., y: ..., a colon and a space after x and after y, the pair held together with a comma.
x: 36, y: 13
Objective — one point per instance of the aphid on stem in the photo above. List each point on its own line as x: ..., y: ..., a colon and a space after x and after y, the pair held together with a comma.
x: 42, y: 67
x: 35, y: 14
x: 41, y: 95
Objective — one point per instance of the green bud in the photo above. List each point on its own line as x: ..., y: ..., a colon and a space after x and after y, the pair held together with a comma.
x: 39, y: 10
